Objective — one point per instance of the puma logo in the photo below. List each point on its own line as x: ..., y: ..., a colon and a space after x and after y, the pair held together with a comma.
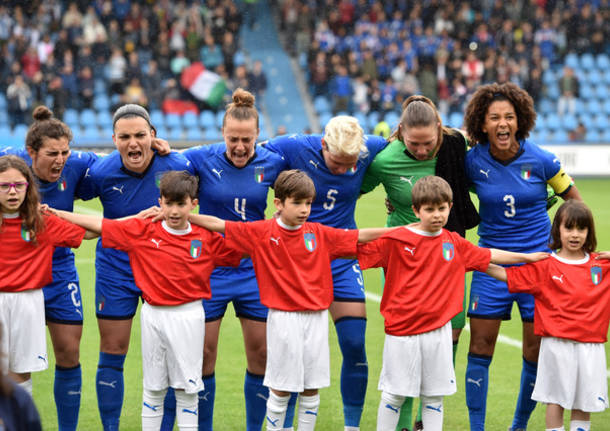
x: 157, y: 243
x: 475, y: 382
x: 407, y: 180
x: 410, y: 250
x: 558, y: 278
x: 217, y: 172
x: 315, y: 164
x: 486, y: 173
x: 118, y: 189
x: 275, y: 240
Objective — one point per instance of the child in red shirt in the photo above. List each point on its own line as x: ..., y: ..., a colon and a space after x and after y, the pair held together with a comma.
x: 28, y: 239
x: 424, y: 267
x: 572, y: 293
x: 172, y: 262
x: 292, y: 259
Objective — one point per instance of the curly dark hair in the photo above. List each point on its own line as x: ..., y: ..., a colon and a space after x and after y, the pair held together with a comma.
x: 485, y: 95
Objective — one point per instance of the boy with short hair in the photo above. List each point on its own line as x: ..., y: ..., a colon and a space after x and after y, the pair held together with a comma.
x: 172, y: 262
x: 292, y: 263
x: 424, y: 267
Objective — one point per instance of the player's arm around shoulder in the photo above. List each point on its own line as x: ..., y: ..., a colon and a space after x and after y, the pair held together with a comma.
x: 372, y: 233
x: 504, y: 257
x: 208, y: 222
x: 93, y: 224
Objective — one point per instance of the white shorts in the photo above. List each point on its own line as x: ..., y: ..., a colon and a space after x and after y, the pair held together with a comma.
x: 297, y: 350
x: 421, y: 364
x: 24, y: 342
x: 172, y: 346
x: 572, y: 374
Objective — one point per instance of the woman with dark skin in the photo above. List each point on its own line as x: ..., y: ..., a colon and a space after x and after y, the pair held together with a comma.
x: 509, y: 174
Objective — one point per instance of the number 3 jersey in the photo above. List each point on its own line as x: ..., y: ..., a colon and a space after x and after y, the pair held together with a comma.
x: 512, y: 195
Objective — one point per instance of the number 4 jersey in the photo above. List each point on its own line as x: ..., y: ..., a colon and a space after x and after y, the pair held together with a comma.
x: 512, y: 195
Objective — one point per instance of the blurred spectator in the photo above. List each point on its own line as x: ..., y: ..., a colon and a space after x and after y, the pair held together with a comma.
x: 86, y: 87
x: 30, y: 62
x: 211, y: 55
x: 152, y: 85
x: 19, y: 99
x: 578, y: 134
x: 134, y: 93
x: 281, y: 130
x: 257, y: 80
x: 178, y: 63
x: 382, y: 128
x: 229, y: 49
x: 70, y: 84
x: 341, y: 90
x: 569, y: 88
x: 117, y: 66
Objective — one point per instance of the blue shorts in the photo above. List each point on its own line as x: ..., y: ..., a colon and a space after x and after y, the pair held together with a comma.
x: 116, y: 296
x: 236, y: 285
x: 348, y: 284
x: 62, y: 300
x: 490, y: 299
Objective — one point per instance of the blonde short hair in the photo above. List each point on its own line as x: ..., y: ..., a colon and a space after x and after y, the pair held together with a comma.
x: 344, y: 136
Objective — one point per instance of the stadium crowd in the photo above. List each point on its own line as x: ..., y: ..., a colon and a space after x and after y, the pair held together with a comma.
x: 62, y: 53
x: 372, y: 55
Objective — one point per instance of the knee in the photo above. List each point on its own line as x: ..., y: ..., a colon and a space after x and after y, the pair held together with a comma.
x: 67, y: 356
x: 482, y: 344
x: 257, y: 359
x: 350, y: 333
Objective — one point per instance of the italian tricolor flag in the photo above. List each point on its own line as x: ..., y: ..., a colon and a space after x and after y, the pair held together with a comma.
x: 205, y: 85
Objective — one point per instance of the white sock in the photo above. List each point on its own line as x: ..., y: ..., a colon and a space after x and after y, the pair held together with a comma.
x: 580, y: 425
x: 351, y: 428
x: 27, y: 385
x: 389, y: 411
x: 152, y: 409
x: 432, y: 413
x: 186, y: 410
x: 556, y: 429
x: 276, y: 411
x: 308, y: 412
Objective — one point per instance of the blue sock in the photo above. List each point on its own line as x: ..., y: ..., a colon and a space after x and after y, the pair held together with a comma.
x: 256, y: 400
x: 525, y: 404
x: 292, y: 402
x: 477, y: 379
x: 110, y: 389
x: 355, y: 369
x: 67, y: 386
x: 206, y: 403
x: 169, y: 410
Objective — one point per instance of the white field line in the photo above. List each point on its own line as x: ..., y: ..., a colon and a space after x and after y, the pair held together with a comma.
x: 501, y: 338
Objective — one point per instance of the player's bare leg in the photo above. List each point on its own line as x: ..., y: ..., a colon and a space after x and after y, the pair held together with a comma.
x: 350, y: 323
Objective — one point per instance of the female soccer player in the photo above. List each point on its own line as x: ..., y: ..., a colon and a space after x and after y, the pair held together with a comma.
x: 336, y: 162
x: 126, y: 181
x: 234, y: 178
x: 509, y: 174
x: 572, y: 362
x: 422, y: 146
x: 28, y: 239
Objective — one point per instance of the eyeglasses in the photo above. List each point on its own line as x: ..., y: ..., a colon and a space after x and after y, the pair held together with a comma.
x: 19, y: 187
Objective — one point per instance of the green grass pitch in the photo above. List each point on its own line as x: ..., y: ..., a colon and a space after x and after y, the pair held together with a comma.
x: 229, y: 410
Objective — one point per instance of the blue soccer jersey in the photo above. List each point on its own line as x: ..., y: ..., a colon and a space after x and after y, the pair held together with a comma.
x: 512, y: 205
x: 62, y: 296
x: 512, y: 196
x: 336, y: 196
x: 124, y: 193
x: 237, y: 194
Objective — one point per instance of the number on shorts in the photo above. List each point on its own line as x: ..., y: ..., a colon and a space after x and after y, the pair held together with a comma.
x: 356, y: 269
x: 73, y: 288
x: 331, y: 199
x: 510, y: 203
x: 241, y: 211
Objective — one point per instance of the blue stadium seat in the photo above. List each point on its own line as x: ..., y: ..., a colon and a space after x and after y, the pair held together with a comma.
x: 373, y: 119
x: 456, y: 119
x: 587, y: 91
x: 587, y: 61
x: 207, y: 119
x: 593, y: 106
x: 593, y: 136
x: 194, y: 134
x: 548, y: 77
x: 101, y: 102
x: 71, y: 118
x: 606, y: 136
x: 321, y: 104
x: 392, y: 118
x: 174, y: 134
x: 569, y: 121
x: 90, y: 132
x: 572, y: 60
x: 545, y: 106
x: 541, y: 135
x: 4, y: 121
x: 2, y: 101
x: 19, y: 132
x: 586, y: 119
x: 161, y: 132
x: 361, y: 117
x: 325, y: 118
x: 552, y: 91
x: 600, y: 121
x: 594, y: 77
x: 220, y: 115
x: 560, y: 136
x: 606, y: 107
x: 104, y: 119
x: 157, y: 118
x: 602, y: 61
x: 212, y: 134
x: 99, y: 87
x: 190, y: 119
x: 552, y: 121
x: 87, y: 118
x: 601, y: 90
x: 173, y: 121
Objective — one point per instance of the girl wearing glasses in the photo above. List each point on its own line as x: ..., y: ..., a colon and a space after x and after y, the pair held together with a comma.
x: 28, y: 240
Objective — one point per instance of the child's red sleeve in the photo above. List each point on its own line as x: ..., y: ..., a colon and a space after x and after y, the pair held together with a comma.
x: 242, y: 235
x: 123, y: 234
x: 527, y: 278
x: 223, y: 255
x: 371, y: 254
x: 63, y: 233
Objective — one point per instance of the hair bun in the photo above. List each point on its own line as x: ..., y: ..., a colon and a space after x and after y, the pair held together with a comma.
x: 42, y: 113
x: 243, y: 98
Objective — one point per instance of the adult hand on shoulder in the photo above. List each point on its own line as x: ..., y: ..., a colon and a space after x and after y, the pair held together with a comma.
x: 535, y: 257
x: 603, y: 255
x: 150, y: 212
x: 162, y: 146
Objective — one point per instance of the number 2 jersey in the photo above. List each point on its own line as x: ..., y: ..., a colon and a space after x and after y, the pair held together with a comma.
x: 512, y: 195
x: 572, y: 296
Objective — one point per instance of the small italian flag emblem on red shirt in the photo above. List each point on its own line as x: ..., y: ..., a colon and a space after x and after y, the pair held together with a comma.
x: 259, y: 174
x: 310, y: 241
x: 195, y: 248
x: 448, y: 251
x: 596, y: 275
x: 25, y: 234
x: 61, y: 185
x: 526, y: 172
